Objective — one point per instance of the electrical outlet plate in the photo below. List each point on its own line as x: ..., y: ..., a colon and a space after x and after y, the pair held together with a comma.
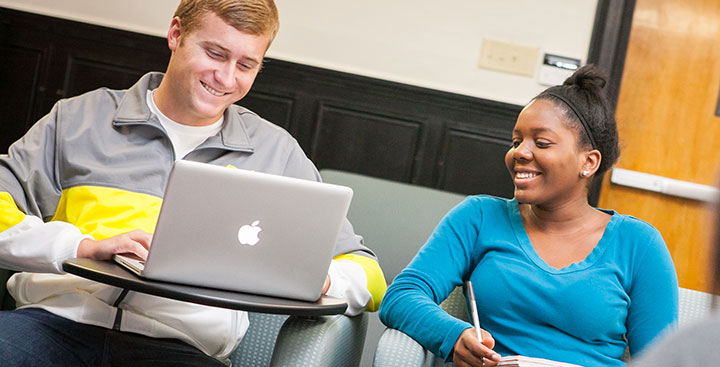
x: 508, y: 57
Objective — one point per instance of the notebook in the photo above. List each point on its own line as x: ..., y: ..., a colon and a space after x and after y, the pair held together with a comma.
x: 522, y: 361
x: 244, y: 231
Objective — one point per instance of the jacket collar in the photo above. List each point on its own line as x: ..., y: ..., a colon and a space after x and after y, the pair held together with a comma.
x: 133, y: 110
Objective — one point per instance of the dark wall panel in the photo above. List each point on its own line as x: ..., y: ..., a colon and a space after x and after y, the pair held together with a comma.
x: 474, y: 163
x: 84, y: 75
x: 277, y: 109
x: 86, y: 63
x: 19, y: 75
x: 365, y: 143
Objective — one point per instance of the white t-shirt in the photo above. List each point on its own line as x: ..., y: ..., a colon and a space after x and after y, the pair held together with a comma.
x: 184, y: 138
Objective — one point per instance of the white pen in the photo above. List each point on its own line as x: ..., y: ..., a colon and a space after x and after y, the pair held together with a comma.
x: 474, y: 313
x: 473, y: 309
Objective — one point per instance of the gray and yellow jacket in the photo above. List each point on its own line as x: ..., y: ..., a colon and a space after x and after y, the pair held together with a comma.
x: 96, y: 166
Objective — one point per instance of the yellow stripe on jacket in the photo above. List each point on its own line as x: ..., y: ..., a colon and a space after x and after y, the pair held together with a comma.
x: 104, y: 212
x: 10, y: 215
x: 375, y: 278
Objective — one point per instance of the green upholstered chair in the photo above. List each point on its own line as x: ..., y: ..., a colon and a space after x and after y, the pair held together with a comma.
x: 395, y: 219
x: 278, y: 340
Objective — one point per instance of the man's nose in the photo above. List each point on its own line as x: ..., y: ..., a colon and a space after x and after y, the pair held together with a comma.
x: 225, y: 76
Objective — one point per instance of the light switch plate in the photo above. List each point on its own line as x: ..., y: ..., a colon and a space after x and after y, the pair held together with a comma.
x: 508, y: 57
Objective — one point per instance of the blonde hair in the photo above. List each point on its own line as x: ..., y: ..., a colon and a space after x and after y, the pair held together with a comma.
x: 256, y: 17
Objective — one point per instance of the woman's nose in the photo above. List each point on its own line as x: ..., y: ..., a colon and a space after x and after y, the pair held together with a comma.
x: 522, y: 151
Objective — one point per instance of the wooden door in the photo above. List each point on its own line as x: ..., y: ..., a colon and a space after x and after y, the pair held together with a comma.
x: 667, y: 124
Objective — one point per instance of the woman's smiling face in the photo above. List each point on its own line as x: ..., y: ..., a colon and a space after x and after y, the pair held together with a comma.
x: 544, y: 160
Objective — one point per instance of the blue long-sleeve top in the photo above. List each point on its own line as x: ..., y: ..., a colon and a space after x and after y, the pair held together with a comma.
x: 626, y: 288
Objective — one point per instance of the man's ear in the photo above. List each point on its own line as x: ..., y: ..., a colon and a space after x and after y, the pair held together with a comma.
x: 174, y: 34
x: 592, y: 162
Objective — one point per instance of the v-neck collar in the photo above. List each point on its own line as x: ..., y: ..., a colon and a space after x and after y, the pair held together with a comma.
x: 524, y: 239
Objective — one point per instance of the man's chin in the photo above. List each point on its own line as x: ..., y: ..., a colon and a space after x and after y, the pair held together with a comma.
x: 210, y: 113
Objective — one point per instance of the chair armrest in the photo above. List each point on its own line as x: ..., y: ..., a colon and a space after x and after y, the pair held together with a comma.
x: 397, y: 349
x: 257, y: 345
x: 321, y: 341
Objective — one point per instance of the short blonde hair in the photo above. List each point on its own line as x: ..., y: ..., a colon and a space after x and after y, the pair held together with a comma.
x: 256, y: 17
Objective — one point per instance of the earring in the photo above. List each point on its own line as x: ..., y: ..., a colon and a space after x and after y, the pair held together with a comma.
x: 585, y: 172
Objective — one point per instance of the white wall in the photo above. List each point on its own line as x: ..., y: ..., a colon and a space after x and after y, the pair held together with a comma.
x: 150, y: 17
x: 427, y: 43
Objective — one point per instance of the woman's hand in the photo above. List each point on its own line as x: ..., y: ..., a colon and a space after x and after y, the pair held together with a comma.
x: 470, y: 352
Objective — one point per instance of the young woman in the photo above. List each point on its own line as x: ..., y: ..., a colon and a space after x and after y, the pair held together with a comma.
x: 553, y: 277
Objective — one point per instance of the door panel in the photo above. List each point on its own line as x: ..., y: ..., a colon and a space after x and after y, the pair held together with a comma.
x: 667, y: 124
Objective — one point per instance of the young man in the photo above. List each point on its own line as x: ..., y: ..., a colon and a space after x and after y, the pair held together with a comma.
x: 87, y: 181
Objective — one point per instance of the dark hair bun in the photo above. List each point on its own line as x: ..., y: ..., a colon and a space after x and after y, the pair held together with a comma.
x: 584, y: 101
x: 587, y: 77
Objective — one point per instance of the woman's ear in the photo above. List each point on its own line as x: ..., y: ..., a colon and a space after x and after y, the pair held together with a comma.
x: 591, y: 163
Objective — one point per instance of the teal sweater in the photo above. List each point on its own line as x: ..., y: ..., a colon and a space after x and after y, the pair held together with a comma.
x: 625, y: 288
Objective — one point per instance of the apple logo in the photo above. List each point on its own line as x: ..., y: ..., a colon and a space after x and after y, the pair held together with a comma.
x: 248, y: 234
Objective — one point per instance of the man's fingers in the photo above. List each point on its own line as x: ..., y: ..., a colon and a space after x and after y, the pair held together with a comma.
x: 326, y: 286
x: 135, y: 242
x: 141, y: 252
x: 142, y: 237
x: 128, y: 245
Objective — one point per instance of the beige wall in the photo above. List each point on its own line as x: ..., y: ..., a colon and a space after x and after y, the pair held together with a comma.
x: 420, y: 42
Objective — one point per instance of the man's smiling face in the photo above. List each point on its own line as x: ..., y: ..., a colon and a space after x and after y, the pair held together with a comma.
x: 211, y: 67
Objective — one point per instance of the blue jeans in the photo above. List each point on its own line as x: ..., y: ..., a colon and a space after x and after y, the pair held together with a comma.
x: 35, y: 337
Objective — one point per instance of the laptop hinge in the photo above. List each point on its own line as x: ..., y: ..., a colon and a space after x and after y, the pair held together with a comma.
x: 118, y: 314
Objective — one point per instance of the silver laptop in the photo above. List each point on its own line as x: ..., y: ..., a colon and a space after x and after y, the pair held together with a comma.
x: 244, y: 231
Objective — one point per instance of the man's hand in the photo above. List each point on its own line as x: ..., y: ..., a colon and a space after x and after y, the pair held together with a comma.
x: 136, y: 242
x: 326, y: 286
x: 469, y: 352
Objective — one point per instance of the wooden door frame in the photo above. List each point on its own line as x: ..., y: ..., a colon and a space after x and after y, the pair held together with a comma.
x: 608, y: 48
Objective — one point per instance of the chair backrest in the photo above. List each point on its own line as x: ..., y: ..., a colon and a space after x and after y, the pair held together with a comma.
x: 455, y: 304
x: 395, y: 219
x: 693, y: 305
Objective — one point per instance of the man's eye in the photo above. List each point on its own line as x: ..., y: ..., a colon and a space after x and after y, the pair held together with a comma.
x: 515, y: 143
x: 542, y: 144
x: 214, y: 54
